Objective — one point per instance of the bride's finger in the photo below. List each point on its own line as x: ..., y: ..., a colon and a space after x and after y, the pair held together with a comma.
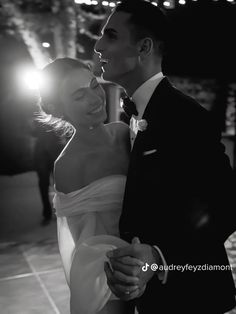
x: 131, y: 295
x: 130, y: 270
x: 125, y: 289
x: 128, y: 260
x: 123, y: 278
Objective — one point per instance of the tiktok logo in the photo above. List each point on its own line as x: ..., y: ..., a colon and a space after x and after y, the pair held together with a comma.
x: 145, y: 267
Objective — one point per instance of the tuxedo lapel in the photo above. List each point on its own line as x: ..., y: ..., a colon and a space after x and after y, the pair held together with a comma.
x: 154, y: 115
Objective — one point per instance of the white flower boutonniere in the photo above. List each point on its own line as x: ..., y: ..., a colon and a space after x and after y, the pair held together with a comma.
x: 142, y: 125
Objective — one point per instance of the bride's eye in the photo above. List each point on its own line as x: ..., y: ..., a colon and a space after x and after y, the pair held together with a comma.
x: 79, y: 94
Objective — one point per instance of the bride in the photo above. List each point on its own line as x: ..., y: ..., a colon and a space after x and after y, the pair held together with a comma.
x: 90, y: 176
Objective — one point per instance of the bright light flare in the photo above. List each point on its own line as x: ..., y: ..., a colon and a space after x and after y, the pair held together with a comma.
x: 31, y: 79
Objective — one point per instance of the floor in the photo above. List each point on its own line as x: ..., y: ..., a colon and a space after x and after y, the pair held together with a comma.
x: 32, y: 279
x: 31, y: 274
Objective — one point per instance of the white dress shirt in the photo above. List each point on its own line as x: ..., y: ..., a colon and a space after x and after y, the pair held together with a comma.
x: 141, y: 98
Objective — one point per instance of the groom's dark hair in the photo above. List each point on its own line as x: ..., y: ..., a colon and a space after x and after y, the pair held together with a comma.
x: 146, y: 20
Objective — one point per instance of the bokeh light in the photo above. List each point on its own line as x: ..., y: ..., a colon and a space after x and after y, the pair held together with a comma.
x: 46, y: 44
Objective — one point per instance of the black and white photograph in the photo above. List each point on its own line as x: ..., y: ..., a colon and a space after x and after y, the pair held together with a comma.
x: 118, y: 157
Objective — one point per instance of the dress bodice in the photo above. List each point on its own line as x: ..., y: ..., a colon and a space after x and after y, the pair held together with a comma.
x: 94, y: 209
x: 104, y: 194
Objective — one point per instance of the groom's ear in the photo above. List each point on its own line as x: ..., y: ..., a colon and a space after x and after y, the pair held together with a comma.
x: 145, y: 46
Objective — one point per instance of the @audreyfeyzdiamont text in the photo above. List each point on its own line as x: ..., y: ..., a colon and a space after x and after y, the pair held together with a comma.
x: 186, y: 267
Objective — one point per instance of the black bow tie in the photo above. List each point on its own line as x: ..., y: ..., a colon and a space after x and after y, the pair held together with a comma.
x: 129, y: 107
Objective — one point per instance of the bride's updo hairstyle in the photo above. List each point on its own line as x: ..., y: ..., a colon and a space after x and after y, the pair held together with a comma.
x: 50, y: 107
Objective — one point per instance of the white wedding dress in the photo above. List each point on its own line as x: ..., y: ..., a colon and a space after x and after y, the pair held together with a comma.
x: 87, y: 222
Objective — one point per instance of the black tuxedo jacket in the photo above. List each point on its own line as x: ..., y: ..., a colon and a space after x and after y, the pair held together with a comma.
x: 178, y: 196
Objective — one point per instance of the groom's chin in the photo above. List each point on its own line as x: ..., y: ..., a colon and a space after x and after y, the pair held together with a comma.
x: 109, y: 77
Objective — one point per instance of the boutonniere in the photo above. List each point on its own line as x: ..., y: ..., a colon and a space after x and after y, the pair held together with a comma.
x: 142, y: 125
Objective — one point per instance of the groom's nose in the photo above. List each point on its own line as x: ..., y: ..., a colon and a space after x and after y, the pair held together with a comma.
x: 98, y: 46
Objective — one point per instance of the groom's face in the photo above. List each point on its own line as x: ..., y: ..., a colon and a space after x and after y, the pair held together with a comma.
x: 117, y: 49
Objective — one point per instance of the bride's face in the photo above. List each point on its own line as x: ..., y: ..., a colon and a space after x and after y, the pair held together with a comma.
x: 83, y: 99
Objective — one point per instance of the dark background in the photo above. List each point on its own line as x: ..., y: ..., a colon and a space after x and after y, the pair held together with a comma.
x: 203, y: 40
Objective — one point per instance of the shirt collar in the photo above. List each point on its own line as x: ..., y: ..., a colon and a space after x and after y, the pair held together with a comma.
x: 143, y: 94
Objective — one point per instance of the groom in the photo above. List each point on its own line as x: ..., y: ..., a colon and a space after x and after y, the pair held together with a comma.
x: 177, y: 199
